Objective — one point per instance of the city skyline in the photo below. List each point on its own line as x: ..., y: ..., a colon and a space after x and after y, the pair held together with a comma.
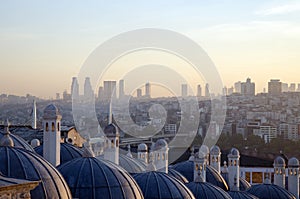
x: 261, y: 40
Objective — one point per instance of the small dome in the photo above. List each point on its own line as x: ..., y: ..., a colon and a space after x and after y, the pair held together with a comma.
x: 67, y: 152
x: 244, y: 185
x: 215, y: 150
x: 142, y: 147
x: 35, y: 142
x: 204, y: 149
x: 111, y: 130
x: 241, y: 195
x: 6, y: 140
x: 159, y: 185
x: 234, y: 152
x: 160, y: 144
x: 207, y: 191
x: 51, y: 112
x: 212, y: 176
x: 293, y: 162
x: 279, y: 162
x: 95, y: 178
x: 267, y: 191
x: 23, y: 164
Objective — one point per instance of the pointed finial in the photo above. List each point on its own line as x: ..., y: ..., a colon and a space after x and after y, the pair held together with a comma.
x: 225, y: 168
x: 192, y: 154
x: 129, y: 151
x: 6, y: 140
x: 199, y: 178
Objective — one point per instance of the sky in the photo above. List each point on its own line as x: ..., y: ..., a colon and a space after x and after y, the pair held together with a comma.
x: 43, y: 44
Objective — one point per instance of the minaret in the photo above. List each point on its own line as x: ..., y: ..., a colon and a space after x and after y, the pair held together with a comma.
x: 215, y: 158
x: 143, y: 152
x: 33, y: 125
x: 199, y: 167
x: 52, y: 135
x: 160, y: 154
x: 111, y: 151
x: 279, y: 172
x: 293, y: 178
x: 234, y: 169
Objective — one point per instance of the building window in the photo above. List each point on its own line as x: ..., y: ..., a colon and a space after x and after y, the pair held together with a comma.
x: 58, y: 126
x: 53, y: 127
x: 47, y: 126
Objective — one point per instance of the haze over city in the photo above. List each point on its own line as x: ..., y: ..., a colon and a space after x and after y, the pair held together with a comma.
x: 41, y: 41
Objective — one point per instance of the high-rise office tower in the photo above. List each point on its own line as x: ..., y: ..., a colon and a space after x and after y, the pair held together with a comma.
x: 238, y: 87
x: 184, y: 90
x: 75, y: 88
x: 138, y: 93
x: 100, y: 93
x: 207, y: 94
x: 248, y: 88
x: 147, y: 90
x: 292, y: 87
x: 225, y: 91
x: 199, y: 90
x: 274, y: 87
x: 121, y: 89
x: 88, y: 90
x: 109, y: 90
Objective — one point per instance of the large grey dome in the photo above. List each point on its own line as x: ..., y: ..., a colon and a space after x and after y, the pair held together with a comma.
x: 267, y: 191
x: 96, y: 178
x: 206, y: 190
x: 159, y: 185
x: 23, y: 164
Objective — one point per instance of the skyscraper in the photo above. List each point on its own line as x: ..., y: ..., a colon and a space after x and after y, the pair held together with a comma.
x: 109, y: 90
x: 199, y: 91
x: 184, y: 90
x: 248, y: 88
x: 292, y: 87
x: 238, y: 87
x: 75, y: 88
x: 121, y: 89
x: 88, y: 90
x: 100, y: 93
x: 139, y: 93
x: 147, y: 90
x: 274, y: 87
x: 207, y: 94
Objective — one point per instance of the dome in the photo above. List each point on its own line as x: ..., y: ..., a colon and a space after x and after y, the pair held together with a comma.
x: 159, y: 185
x: 241, y: 195
x: 6, y: 140
x: 267, y: 191
x: 131, y: 165
x: 96, y: 178
x: 244, y: 185
x: 279, y: 162
x: 293, y: 162
x: 215, y: 150
x: 234, y: 152
x: 175, y: 174
x: 51, y: 112
x: 35, y: 143
x: 142, y: 147
x: 160, y: 144
x: 18, y: 142
x: 23, y: 164
x: 212, y: 176
x: 207, y: 191
x: 111, y: 130
x: 204, y: 149
x: 67, y: 152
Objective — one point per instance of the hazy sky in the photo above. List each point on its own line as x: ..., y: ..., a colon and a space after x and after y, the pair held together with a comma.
x: 43, y: 44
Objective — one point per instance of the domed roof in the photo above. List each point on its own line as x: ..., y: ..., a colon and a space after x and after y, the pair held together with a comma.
x: 142, y: 147
x: 111, y: 130
x: 267, y: 191
x: 67, y: 152
x: 160, y: 144
x: 23, y: 164
x: 215, y: 150
x: 244, y: 185
x: 175, y: 174
x: 241, y: 195
x: 207, y: 191
x: 51, y: 112
x: 159, y: 185
x: 212, y: 176
x: 6, y: 140
x: 96, y: 178
x: 279, y: 162
x: 234, y: 152
x: 35, y: 142
x: 204, y: 149
x: 293, y: 162
x: 131, y: 165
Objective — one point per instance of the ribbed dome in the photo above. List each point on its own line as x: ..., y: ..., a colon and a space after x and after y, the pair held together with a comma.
x: 18, y: 142
x: 206, y: 190
x: 244, y: 185
x: 212, y: 176
x: 175, y: 174
x: 241, y: 195
x: 51, y: 112
x: 267, y: 191
x: 96, y: 178
x: 111, y: 130
x: 67, y: 152
x: 159, y: 185
x: 23, y: 164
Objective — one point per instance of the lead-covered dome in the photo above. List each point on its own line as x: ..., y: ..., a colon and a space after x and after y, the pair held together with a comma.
x: 175, y: 174
x: 96, y: 178
x: 244, y: 185
x: 51, y: 112
x: 67, y: 152
x: 159, y: 185
x: 241, y: 195
x: 279, y: 162
x: 215, y: 150
x: 142, y: 147
x: 212, y: 176
x: 206, y: 190
x: 267, y: 191
x: 293, y: 162
x: 23, y: 164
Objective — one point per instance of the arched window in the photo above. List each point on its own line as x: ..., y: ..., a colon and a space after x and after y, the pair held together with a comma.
x: 58, y: 126
x: 47, y: 126
x: 53, y: 127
